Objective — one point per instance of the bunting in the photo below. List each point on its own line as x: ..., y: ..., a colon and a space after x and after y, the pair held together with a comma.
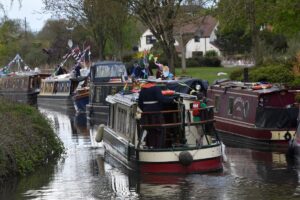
x: 78, y: 55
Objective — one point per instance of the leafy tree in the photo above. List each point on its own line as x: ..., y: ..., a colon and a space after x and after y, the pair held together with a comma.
x: 160, y: 17
x: 247, y: 19
x: 104, y: 20
x: 10, y: 34
x: 55, y: 35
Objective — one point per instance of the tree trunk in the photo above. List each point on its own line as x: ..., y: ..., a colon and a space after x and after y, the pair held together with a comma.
x: 255, y: 33
x: 183, y: 52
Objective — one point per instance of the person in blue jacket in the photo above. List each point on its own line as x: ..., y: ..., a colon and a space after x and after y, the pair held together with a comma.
x: 151, y: 99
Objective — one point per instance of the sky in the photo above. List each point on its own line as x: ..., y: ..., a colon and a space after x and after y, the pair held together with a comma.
x: 30, y: 9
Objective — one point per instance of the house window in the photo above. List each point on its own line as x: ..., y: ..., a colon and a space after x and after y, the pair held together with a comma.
x: 217, y: 104
x: 230, y: 105
x: 197, y: 54
x: 196, y: 39
x: 150, y: 39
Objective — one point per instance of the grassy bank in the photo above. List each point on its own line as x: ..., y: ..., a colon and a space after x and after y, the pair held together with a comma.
x: 26, y: 140
x: 206, y: 73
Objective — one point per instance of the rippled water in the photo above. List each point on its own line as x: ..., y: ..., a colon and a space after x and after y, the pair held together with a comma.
x: 85, y: 173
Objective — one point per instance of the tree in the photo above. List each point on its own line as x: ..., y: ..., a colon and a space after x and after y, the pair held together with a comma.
x: 159, y: 16
x: 188, y: 25
x: 10, y: 35
x: 246, y: 18
x: 56, y: 35
x: 254, y: 17
x: 11, y: 2
x: 104, y: 20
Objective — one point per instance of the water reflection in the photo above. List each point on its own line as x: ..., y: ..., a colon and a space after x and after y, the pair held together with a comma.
x: 86, y: 173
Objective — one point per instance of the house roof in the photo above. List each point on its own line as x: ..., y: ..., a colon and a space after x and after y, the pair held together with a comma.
x: 203, y: 27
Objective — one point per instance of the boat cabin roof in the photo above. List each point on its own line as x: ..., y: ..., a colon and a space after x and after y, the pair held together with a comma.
x: 132, y: 98
x: 105, y: 70
x: 253, y: 87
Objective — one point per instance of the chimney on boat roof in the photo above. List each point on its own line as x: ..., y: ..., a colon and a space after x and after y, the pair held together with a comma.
x: 246, y: 74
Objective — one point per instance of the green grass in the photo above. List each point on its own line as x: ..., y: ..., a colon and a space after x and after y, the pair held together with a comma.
x: 206, y: 73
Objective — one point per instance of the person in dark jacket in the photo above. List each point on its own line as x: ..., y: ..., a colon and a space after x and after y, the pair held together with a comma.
x: 151, y: 99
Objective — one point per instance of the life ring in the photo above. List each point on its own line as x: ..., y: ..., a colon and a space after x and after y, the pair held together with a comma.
x: 287, y: 136
x: 261, y: 86
x: 168, y: 92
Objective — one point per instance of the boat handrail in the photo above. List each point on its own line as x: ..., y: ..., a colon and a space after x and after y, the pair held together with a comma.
x: 200, y: 122
x: 167, y: 125
x: 164, y: 111
x: 206, y: 108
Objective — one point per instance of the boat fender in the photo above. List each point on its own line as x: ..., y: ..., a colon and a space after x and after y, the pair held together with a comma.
x: 185, y: 158
x: 287, y: 136
x: 100, y: 132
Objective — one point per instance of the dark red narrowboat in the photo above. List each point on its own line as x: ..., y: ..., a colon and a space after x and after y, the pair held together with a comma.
x: 263, y: 115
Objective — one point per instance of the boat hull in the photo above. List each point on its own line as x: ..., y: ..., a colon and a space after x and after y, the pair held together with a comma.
x: 197, y: 166
x: 238, y: 133
x: 163, y: 161
x: 29, y: 98
x: 55, y: 102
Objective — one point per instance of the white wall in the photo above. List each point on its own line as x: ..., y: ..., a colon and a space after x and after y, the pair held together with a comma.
x: 204, y: 45
x: 143, y: 45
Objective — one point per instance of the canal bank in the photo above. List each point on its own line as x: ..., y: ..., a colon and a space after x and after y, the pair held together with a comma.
x: 27, y: 140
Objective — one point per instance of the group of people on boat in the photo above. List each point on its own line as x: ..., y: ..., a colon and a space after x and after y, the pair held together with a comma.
x: 142, y: 68
x: 152, y: 100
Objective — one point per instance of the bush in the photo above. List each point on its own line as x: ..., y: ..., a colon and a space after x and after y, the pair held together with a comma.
x: 237, y: 74
x: 23, y: 147
x: 274, y: 74
x: 211, y: 54
x: 192, y: 62
x: 209, y: 61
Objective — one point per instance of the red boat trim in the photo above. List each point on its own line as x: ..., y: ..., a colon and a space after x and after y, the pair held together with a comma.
x: 228, y: 92
x: 233, y: 121
x: 200, y: 166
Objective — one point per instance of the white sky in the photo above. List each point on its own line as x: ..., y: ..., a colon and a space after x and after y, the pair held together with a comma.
x: 30, y: 9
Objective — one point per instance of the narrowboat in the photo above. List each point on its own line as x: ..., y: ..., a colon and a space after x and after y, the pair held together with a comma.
x: 106, y: 77
x: 22, y: 88
x: 57, y: 92
x: 190, y: 144
x: 262, y: 115
x: 19, y: 83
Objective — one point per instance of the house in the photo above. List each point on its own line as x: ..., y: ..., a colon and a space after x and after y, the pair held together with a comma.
x: 198, y: 37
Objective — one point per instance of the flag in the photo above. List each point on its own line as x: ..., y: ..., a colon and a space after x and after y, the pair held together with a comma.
x: 74, y: 52
x: 81, y: 56
x: 78, y: 55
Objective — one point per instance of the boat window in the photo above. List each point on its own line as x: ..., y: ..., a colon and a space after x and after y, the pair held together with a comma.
x: 217, y: 103
x: 116, y: 70
x: 230, y: 105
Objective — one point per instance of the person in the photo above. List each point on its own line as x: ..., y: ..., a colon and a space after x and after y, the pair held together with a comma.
x: 59, y: 70
x: 77, y: 70
x: 151, y: 99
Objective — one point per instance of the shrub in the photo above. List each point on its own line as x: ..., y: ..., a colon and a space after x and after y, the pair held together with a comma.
x: 23, y: 147
x: 209, y: 61
x: 192, y: 62
x: 274, y: 74
x: 211, y: 54
x: 236, y: 74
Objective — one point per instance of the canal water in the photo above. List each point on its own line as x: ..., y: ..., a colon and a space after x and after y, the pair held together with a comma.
x: 84, y: 172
